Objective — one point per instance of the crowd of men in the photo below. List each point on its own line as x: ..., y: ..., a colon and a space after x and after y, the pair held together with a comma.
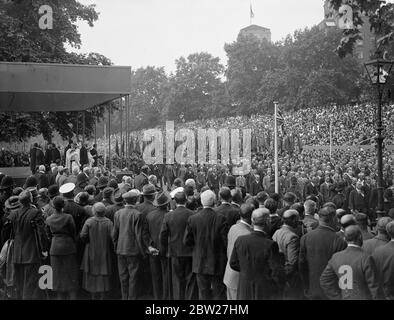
x: 198, y: 232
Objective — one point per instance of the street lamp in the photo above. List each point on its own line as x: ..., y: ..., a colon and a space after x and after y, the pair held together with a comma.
x: 378, y: 71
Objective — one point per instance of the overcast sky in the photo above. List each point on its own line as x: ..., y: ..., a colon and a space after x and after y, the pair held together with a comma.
x: 138, y: 33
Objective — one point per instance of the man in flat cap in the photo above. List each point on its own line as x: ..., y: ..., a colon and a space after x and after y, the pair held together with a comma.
x: 354, y: 265
x: 27, y: 257
x: 380, y: 239
x: 131, y: 240
x: 384, y: 261
x: 289, y: 245
x: 316, y: 249
x: 257, y: 259
x: 206, y: 233
x: 346, y: 221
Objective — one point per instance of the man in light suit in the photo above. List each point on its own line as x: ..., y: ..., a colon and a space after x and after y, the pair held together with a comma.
x: 241, y: 228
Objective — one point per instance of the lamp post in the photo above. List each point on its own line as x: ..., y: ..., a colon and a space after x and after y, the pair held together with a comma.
x: 378, y: 71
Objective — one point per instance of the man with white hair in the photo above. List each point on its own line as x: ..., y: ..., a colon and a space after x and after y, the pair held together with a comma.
x: 206, y: 233
x: 257, y: 259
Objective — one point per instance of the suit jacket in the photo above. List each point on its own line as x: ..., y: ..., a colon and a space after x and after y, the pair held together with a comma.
x: 325, y: 192
x: 384, y: 260
x: 289, y: 245
x: 371, y: 245
x: 145, y: 207
x: 155, y: 221
x: 173, y: 231
x: 130, y: 234
x: 230, y: 212
x: 83, y: 156
x: 362, y: 271
x: 206, y: 233
x: 231, y: 277
x: 358, y: 202
x: 43, y: 180
x: 310, y: 222
x: 258, y: 262
x: 309, y: 189
x: 316, y: 249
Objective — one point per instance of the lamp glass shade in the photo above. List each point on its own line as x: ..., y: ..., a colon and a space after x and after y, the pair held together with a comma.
x: 379, y: 70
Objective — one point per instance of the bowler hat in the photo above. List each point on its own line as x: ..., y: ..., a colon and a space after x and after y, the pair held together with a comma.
x: 230, y: 181
x: 118, y: 196
x: 113, y: 184
x: 82, y: 198
x: 30, y: 182
x: 161, y: 199
x: 82, y: 180
x: 12, y: 203
x: 53, y: 191
x: 102, y: 183
x: 6, y: 183
x: 148, y: 189
x: 107, y: 193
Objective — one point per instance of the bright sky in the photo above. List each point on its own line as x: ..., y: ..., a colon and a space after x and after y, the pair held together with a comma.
x: 139, y: 33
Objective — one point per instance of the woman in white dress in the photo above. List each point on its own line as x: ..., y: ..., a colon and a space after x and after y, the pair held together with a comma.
x: 72, y: 157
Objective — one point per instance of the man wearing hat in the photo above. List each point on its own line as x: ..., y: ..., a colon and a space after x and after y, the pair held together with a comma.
x: 118, y: 204
x: 159, y: 263
x: 206, y: 234
x: 26, y: 254
x: 339, y: 199
x: 142, y: 179
x: 107, y: 196
x: 101, y: 185
x: 148, y: 193
x: 81, y: 183
x: 131, y: 241
x: 6, y: 186
x: 49, y: 209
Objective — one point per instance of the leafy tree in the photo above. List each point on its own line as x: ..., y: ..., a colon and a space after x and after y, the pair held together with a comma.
x: 197, y: 80
x: 24, y: 41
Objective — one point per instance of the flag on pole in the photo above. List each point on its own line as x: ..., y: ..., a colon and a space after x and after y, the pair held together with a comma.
x: 251, y: 12
x: 280, y: 120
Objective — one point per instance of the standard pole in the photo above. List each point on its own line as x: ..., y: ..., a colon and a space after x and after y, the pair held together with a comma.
x: 109, y: 137
x: 276, y: 150
x: 330, y: 140
x: 127, y: 132
x: 83, y: 127
x: 379, y: 140
x: 121, y: 128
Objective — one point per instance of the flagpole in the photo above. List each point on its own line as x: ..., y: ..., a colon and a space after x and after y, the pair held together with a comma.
x: 276, y: 149
x: 330, y: 140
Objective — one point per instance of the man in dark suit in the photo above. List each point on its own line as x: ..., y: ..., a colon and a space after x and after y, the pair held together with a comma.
x: 171, y: 239
x: 206, y: 234
x: 42, y: 178
x: 26, y: 256
x: 33, y: 152
x: 83, y: 156
x: 159, y: 262
x: 350, y: 274
x: 309, y: 220
x: 94, y: 154
x: 316, y: 249
x: 312, y: 188
x: 384, y: 260
x: 226, y: 209
x: 142, y: 179
x: 131, y: 241
x: 258, y: 262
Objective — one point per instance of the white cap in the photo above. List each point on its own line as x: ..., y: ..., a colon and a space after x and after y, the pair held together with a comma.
x: 67, y: 188
x: 175, y: 191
